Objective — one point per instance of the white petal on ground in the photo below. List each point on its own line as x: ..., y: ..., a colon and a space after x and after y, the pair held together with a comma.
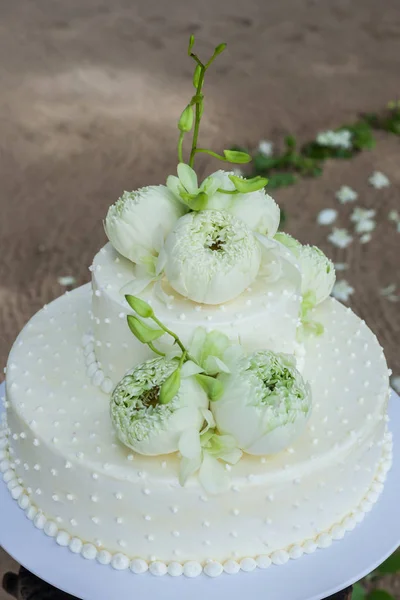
x: 365, y: 226
x: 327, y: 216
x: 340, y: 238
x: 66, y: 280
x: 346, y: 194
x: 362, y: 214
x: 379, y: 180
x: 365, y: 238
x: 341, y: 266
x: 266, y: 148
x: 394, y: 215
x: 342, y: 290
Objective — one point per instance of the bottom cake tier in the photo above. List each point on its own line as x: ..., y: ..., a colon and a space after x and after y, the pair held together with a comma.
x: 64, y: 465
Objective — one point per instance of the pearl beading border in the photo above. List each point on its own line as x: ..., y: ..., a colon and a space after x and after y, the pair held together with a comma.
x: 93, y: 367
x: 212, y: 568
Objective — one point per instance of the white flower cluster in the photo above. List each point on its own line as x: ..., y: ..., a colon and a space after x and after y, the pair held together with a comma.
x: 211, y: 254
x: 335, y: 139
x: 226, y: 403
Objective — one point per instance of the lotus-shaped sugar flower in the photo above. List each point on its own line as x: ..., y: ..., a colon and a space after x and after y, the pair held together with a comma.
x: 210, y: 256
x: 139, y: 221
x: 257, y: 209
x: 265, y: 402
x: 146, y: 425
x: 186, y: 188
x: 206, y: 452
x: 318, y: 272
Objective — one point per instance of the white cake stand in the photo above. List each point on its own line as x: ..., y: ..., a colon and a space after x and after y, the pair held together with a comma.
x: 313, y: 577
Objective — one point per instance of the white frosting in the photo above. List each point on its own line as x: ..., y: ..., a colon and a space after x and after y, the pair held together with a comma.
x: 63, y: 454
x: 264, y: 316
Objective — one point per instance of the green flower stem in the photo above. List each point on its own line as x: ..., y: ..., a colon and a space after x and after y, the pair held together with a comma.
x: 211, y: 153
x: 182, y: 359
x: 152, y: 347
x: 180, y: 143
x: 185, y: 353
x: 199, y: 110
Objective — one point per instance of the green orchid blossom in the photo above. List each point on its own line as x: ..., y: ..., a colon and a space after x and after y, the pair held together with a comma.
x: 186, y: 188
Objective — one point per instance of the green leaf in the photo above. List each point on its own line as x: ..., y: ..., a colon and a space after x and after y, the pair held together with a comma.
x: 245, y: 186
x: 143, y: 332
x: 196, y: 76
x: 185, y: 122
x: 380, y: 595
x: 290, y: 142
x: 236, y: 157
x: 170, y: 387
x: 264, y: 163
x: 391, y: 564
x: 359, y: 592
x: 191, y: 44
x: 278, y: 180
x: 213, y: 387
x: 142, y: 308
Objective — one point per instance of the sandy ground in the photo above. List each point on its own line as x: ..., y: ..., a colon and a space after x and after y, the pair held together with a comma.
x: 90, y: 93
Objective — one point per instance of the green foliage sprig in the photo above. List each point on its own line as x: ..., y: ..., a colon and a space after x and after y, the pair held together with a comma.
x: 191, y: 115
x: 147, y: 335
x: 285, y: 168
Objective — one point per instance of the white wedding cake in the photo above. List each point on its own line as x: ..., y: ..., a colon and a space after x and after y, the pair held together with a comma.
x: 203, y: 405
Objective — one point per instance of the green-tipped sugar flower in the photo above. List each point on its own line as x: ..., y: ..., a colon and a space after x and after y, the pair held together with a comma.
x: 139, y: 221
x: 207, y: 453
x: 211, y: 256
x: 265, y: 403
x: 318, y: 273
x: 256, y: 208
x: 145, y: 424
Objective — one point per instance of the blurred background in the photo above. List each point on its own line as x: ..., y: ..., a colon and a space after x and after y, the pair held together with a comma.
x: 90, y: 94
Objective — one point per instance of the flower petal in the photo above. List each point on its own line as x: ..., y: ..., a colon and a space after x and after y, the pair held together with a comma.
x: 188, y: 467
x: 213, y: 476
x: 189, y: 443
x: 188, y: 178
x: 190, y: 368
x: 173, y: 184
x: 214, y: 365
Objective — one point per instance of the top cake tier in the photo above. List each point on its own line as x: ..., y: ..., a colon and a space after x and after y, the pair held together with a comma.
x: 265, y: 316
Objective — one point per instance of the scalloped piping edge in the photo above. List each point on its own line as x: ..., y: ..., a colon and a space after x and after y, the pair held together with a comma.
x: 191, y: 568
x: 93, y: 367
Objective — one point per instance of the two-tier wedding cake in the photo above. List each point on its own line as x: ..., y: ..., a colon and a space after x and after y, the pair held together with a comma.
x: 203, y: 405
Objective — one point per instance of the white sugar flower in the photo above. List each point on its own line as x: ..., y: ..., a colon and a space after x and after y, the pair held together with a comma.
x: 266, y: 148
x: 340, y: 238
x: 265, y: 403
x: 142, y: 422
x: 139, y: 221
x: 206, y: 452
x: 342, y: 290
x: 211, y: 256
x: 346, y: 194
x: 378, y: 180
x: 257, y: 209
